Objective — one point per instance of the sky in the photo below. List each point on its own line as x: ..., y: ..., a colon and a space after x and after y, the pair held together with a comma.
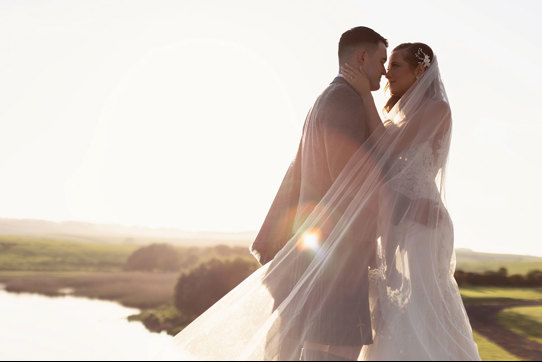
x: 186, y: 114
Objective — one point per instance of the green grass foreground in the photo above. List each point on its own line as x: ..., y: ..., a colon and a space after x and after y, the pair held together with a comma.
x: 525, y: 321
x: 489, y: 351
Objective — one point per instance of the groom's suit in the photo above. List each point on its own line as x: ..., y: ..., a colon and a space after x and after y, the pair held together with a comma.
x: 334, y: 130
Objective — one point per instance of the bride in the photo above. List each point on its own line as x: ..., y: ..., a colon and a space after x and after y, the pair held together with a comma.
x: 417, y: 309
x: 396, y: 182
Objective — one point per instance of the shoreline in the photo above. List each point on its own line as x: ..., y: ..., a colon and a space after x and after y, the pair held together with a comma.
x: 150, y: 293
x: 163, y: 316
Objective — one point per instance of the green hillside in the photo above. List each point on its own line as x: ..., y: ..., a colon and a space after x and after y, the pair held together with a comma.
x: 40, y: 254
x: 470, y: 261
x: 33, y: 254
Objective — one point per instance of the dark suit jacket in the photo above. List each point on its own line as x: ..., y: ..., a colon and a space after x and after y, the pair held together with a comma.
x: 334, y: 130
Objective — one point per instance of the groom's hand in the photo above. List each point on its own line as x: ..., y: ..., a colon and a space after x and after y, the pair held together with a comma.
x: 264, y: 259
x: 260, y: 255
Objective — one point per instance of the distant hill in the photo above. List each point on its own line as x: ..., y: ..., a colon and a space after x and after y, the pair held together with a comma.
x: 467, y: 255
x: 471, y: 261
x: 112, y: 233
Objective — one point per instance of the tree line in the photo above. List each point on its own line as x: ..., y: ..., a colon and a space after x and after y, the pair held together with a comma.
x: 499, y: 278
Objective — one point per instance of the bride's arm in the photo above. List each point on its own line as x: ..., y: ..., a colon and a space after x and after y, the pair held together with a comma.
x: 359, y: 81
x: 373, y: 118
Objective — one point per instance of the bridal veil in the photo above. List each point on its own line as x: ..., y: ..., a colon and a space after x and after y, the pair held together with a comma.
x: 382, y: 220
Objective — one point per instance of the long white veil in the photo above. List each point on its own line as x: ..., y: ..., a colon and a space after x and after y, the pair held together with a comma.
x: 384, y: 213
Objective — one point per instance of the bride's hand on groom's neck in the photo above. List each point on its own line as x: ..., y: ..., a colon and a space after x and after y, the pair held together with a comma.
x: 357, y: 78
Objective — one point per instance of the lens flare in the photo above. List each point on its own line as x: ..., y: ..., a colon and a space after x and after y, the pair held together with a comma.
x: 310, y: 240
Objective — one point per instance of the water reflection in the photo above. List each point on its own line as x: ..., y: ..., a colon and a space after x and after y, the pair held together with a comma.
x: 35, y: 327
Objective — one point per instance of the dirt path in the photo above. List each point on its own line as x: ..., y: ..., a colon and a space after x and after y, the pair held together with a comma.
x: 483, y: 318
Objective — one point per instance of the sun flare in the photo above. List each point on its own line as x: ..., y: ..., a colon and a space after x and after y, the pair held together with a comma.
x: 310, y: 240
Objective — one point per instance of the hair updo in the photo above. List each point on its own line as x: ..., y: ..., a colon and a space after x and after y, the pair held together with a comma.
x: 410, y: 52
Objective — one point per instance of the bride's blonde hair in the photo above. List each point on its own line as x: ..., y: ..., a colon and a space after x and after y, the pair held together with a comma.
x: 409, y: 51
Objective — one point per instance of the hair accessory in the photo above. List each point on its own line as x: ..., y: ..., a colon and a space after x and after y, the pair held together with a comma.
x: 423, y: 58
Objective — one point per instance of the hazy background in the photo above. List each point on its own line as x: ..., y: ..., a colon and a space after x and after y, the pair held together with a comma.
x: 186, y: 114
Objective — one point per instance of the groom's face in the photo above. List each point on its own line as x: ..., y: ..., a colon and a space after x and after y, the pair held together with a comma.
x: 373, y: 64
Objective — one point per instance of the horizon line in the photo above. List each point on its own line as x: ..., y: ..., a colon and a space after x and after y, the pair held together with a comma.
x: 214, y: 231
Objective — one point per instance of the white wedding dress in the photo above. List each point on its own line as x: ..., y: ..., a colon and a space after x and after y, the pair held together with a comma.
x: 416, y: 307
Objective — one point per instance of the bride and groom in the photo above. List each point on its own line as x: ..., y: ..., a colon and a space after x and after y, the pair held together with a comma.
x: 357, y: 248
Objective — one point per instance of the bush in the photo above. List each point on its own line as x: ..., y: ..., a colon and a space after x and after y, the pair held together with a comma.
x: 199, y: 289
x: 534, y: 277
x: 155, y: 257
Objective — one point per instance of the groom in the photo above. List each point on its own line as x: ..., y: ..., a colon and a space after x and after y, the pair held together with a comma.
x: 334, y: 129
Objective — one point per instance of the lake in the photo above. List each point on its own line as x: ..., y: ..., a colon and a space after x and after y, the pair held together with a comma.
x: 36, y: 327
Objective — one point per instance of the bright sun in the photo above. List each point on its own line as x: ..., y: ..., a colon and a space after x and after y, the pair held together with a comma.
x: 310, y: 239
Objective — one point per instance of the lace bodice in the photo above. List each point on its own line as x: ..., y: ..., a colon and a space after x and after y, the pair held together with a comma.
x: 415, y: 170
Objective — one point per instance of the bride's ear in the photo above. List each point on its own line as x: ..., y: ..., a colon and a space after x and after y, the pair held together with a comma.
x: 420, y: 69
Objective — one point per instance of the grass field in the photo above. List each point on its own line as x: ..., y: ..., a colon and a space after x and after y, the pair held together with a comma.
x: 132, y: 289
x: 525, y: 321
x: 490, y: 294
x: 46, y: 255
x: 470, y: 261
x: 31, y: 254
x: 489, y: 351
x: 166, y: 317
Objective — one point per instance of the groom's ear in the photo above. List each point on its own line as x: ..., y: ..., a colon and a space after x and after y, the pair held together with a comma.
x: 361, y: 56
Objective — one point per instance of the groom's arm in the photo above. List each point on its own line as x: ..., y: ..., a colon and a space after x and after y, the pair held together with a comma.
x: 277, y: 226
x: 345, y: 131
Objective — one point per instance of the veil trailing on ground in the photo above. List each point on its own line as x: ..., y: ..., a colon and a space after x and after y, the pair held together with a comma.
x: 383, y: 220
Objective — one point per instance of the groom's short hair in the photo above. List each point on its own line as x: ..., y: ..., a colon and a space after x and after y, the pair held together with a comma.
x: 356, y: 37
